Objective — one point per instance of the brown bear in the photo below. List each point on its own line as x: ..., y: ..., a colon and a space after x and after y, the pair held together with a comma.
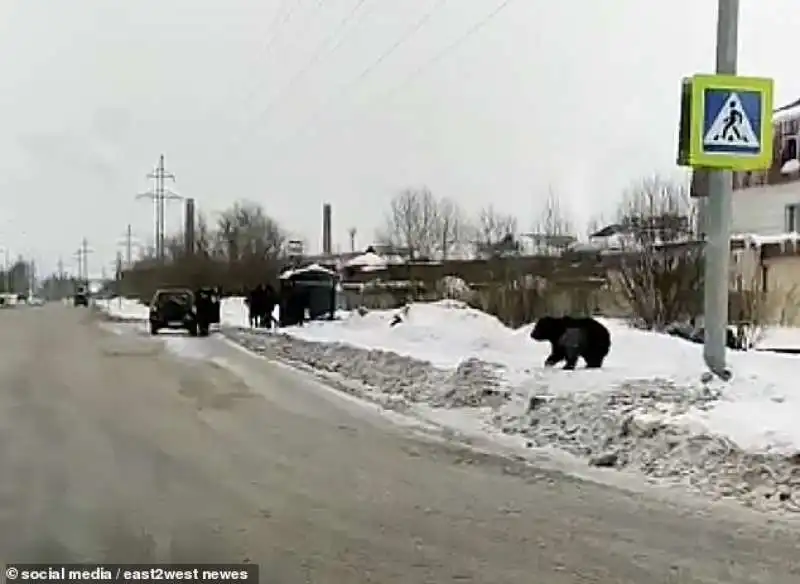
x: 571, y: 338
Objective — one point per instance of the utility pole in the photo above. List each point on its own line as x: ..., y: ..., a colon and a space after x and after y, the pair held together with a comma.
x: 79, y: 255
x: 159, y: 195
x: 86, y: 251
x: 60, y: 288
x: 128, y: 246
x: 83, y: 261
x: 118, y: 278
x: 127, y: 241
x: 7, y: 263
x: 718, y: 213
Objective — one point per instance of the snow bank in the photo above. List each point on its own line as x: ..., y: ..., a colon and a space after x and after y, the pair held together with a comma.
x: 447, y: 332
x: 123, y: 309
x: 368, y: 262
x: 233, y: 311
x: 645, y: 411
x: 779, y: 337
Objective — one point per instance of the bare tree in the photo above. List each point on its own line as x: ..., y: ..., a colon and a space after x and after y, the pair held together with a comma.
x: 203, y: 237
x: 174, y: 248
x: 554, y: 219
x: 554, y: 230
x: 413, y: 223
x: 660, y: 270
x: 496, y: 233
x: 452, y: 227
x: 246, y: 231
x: 595, y: 224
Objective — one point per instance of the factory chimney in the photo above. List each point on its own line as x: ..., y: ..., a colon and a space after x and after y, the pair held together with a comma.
x: 327, y: 244
x: 189, y: 229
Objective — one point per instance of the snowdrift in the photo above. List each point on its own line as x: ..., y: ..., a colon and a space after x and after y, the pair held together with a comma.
x: 646, y: 410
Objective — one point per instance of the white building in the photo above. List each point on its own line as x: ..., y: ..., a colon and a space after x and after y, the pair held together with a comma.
x: 768, y: 202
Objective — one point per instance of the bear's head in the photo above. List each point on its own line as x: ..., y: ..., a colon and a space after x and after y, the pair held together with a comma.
x: 547, y: 328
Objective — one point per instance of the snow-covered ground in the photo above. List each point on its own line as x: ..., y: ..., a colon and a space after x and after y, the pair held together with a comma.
x: 779, y: 338
x: 645, y: 411
x: 123, y: 309
x: 233, y: 311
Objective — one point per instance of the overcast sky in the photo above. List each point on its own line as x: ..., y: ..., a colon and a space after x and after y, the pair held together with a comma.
x: 578, y: 95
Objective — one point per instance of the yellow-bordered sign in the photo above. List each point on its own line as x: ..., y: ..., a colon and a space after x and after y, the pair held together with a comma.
x: 726, y: 122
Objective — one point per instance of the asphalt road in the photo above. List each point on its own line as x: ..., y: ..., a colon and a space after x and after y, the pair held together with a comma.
x: 112, y: 449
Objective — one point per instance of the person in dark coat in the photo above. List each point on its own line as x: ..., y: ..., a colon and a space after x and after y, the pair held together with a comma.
x: 270, y: 299
x: 206, y: 301
x: 254, y: 308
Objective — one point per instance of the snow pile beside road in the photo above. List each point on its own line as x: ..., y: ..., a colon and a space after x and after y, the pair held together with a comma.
x: 385, y: 377
x: 648, y: 428
x: 646, y: 411
x: 447, y: 332
x: 233, y: 310
x: 123, y: 309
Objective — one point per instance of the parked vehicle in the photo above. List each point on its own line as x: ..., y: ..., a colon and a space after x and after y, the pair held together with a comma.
x: 173, y: 308
x: 81, y: 297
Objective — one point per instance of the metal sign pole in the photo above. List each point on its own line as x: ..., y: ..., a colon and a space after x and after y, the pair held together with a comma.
x: 718, y: 214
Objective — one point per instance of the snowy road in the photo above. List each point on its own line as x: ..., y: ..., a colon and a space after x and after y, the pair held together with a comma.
x: 113, y: 449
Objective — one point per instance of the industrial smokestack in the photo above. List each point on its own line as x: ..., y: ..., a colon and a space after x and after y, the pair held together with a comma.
x: 327, y: 244
x: 188, y: 230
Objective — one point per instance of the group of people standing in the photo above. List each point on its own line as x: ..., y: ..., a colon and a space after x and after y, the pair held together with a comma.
x: 292, y: 300
x: 261, y: 302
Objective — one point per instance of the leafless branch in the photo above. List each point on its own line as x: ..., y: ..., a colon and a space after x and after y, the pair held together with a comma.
x: 660, y: 270
x: 412, y: 225
x: 496, y: 233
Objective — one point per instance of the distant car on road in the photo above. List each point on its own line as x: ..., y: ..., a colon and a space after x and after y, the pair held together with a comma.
x: 81, y: 297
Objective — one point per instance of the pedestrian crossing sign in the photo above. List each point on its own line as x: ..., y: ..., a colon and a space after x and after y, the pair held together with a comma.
x: 730, y: 129
x: 729, y: 123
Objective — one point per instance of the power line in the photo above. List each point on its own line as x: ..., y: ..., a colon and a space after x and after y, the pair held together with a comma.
x: 319, y: 52
x: 405, y: 37
x: 410, y: 32
x: 446, y: 51
x: 282, y: 16
x: 424, y: 67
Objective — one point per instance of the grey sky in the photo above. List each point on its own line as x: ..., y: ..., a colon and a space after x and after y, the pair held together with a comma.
x: 578, y: 94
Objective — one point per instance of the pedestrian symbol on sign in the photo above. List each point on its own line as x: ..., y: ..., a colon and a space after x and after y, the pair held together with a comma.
x: 732, y: 122
x: 731, y: 129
